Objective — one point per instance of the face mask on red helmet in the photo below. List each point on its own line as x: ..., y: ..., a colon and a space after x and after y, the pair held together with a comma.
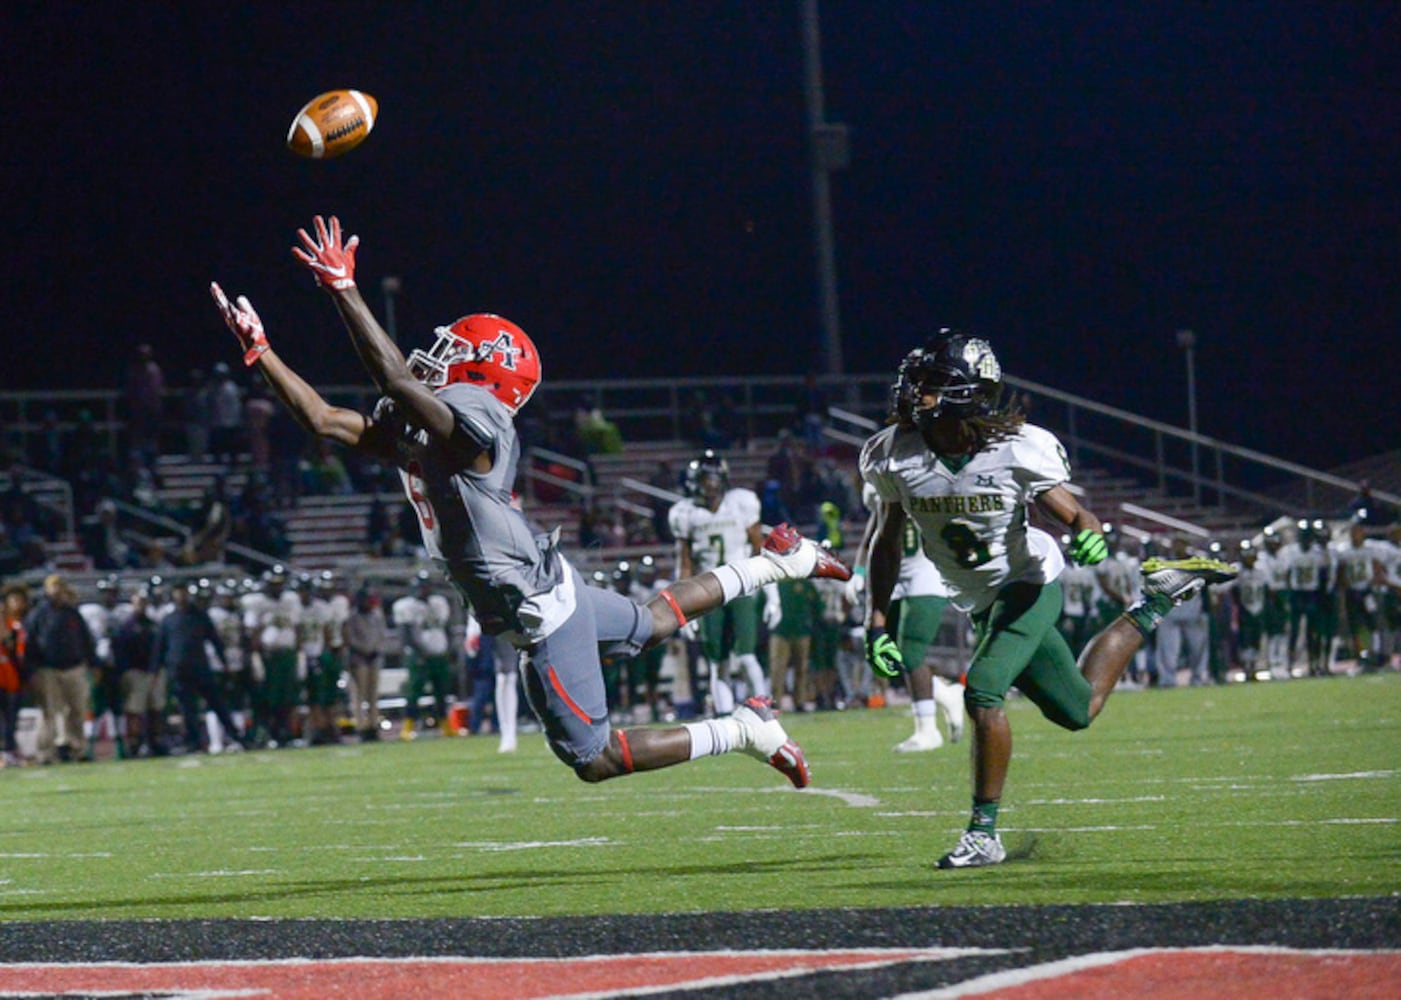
x: 485, y: 350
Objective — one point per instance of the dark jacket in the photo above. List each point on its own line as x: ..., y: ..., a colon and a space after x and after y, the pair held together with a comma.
x: 180, y: 642
x: 58, y: 637
x: 133, y: 645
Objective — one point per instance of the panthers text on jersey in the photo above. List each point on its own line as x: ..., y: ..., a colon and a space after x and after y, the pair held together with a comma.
x: 972, y: 517
x: 918, y: 577
x: 717, y: 536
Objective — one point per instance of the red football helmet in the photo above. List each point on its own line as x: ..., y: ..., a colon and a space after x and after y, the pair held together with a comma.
x: 481, y: 349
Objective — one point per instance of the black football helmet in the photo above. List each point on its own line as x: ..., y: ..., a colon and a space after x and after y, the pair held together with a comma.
x: 707, y: 477
x: 962, y: 371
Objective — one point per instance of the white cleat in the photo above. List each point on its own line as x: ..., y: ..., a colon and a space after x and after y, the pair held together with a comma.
x: 765, y: 739
x: 919, y: 743
x: 975, y: 850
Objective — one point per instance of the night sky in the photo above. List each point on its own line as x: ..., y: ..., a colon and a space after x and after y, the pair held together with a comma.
x: 629, y: 181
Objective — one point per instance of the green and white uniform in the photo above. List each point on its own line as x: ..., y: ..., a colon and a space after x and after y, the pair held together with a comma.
x: 717, y: 537
x: 972, y: 517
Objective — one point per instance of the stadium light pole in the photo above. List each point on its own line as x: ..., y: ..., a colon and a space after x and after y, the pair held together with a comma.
x: 829, y: 151
x: 391, y: 286
x: 1187, y: 340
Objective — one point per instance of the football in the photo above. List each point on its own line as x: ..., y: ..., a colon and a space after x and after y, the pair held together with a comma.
x: 332, y: 123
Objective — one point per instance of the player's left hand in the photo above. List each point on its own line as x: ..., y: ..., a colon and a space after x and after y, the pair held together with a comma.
x: 242, y: 319
x: 331, y: 261
x: 883, y: 653
x: 1089, y: 548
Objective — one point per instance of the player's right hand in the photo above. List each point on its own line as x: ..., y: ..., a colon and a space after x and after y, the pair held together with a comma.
x: 883, y: 653
x: 330, y: 261
x: 242, y: 319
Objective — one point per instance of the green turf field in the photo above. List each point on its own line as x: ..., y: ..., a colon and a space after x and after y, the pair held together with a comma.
x: 1271, y: 790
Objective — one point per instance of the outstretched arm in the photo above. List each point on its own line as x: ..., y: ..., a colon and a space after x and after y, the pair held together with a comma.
x: 348, y: 427
x: 331, y: 261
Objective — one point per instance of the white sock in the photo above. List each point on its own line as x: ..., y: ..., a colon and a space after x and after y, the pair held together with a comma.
x: 507, y: 704
x: 757, y: 683
x: 923, y: 709
x: 746, y: 576
x: 215, y: 730
x: 721, y: 697
x: 713, y: 737
x: 949, y: 697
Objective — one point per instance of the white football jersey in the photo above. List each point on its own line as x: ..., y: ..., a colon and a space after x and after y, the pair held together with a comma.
x: 1389, y: 555
x: 1305, y: 569
x: 1251, y: 585
x: 273, y: 620
x: 1275, y: 564
x: 1356, y: 562
x: 311, y: 629
x: 1081, y: 587
x: 103, y: 623
x: 427, y: 622
x: 717, y: 536
x: 229, y: 625
x: 1118, y: 576
x: 918, y: 576
x: 972, y: 517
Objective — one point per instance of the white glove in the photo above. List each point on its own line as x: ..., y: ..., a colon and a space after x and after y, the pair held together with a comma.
x: 690, y: 631
x: 854, y: 589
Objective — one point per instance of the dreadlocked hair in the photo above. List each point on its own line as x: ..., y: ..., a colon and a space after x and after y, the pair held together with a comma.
x: 1000, y: 425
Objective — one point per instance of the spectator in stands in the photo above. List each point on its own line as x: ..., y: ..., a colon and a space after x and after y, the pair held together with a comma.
x: 46, y: 445
x: 785, y: 468
x: 811, y: 414
x: 325, y: 473
x: 215, y: 520
x: 664, y: 477
x: 1367, y: 508
x: 14, y: 605
x: 62, y: 648
x: 103, y: 542
x: 198, y: 407
x: 144, y: 395
x: 365, y: 636
x: 225, y: 416
x: 258, y: 413
x: 599, y: 435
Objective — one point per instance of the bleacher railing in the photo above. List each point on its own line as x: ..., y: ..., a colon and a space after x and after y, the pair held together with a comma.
x: 756, y: 407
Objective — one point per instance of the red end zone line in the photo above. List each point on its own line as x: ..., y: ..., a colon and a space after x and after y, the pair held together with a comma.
x: 1221, y: 973
x: 481, y: 979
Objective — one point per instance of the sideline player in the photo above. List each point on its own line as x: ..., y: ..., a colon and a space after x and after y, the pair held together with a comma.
x: 447, y: 420
x: 916, y: 613
x: 714, y: 523
x: 965, y: 471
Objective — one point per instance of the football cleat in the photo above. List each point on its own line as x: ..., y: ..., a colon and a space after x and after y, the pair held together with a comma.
x: 920, y: 743
x: 801, y: 557
x: 975, y: 849
x: 1181, y: 579
x: 766, y: 740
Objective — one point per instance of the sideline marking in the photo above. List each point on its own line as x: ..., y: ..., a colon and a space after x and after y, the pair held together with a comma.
x: 1242, y: 971
x: 482, y: 979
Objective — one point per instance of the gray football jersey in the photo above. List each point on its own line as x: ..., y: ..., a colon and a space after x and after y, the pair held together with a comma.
x: 485, y: 545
